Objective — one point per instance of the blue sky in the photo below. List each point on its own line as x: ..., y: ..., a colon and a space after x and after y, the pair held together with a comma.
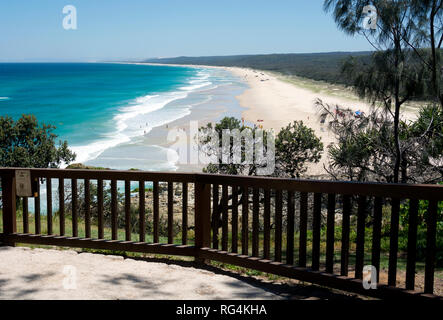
x: 31, y: 30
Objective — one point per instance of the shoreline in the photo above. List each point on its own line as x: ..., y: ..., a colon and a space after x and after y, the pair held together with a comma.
x: 271, y: 100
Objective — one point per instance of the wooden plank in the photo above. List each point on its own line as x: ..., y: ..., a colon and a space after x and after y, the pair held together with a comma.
x: 235, y: 219
x: 245, y: 222
x: 267, y: 225
x: 376, y: 234
x: 61, y: 204
x: 278, y: 225
x: 170, y: 212
x: 114, y: 213
x: 431, y: 246
x: 9, y: 205
x: 330, y: 234
x: 155, y: 212
x: 407, y: 191
x: 100, y: 208
x: 142, y: 211
x: 25, y: 215
x: 303, y: 229
x: 320, y: 278
x: 128, y: 226
x: 393, y: 243
x: 225, y: 229
x: 184, y: 213
x: 412, y: 244
x: 360, y: 241
x: 37, y: 211
x: 371, y: 189
x: 87, y: 209
x: 74, y: 207
x: 215, y: 215
x: 344, y: 257
x: 255, y: 221
x: 49, y: 205
x: 202, y: 203
x: 290, y: 229
x: 102, y: 244
x: 316, y: 222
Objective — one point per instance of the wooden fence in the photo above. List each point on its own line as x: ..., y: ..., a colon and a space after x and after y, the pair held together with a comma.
x: 267, y: 224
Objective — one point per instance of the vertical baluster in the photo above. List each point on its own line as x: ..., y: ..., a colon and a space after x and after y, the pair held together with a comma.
x: 49, y: 205
x: 345, y: 235
x: 245, y: 222
x: 235, y: 219
x: 360, y: 242
x: 376, y: 235
x: 255, y: 222
x: 225, y: 226
x: 316, y: 222
x: 267, y: 225
x: 87, y: 209
x: 303, y: 229
x: 141, y: 210
x: 155, y: 213
x: 74, y: 207
x: 431, y: 223
x: 114, y: 213
x: 215, y: 216
x: 184, y: 213
x: 100, y: 208
x: 37, y: 210
x: 170, y: 213
x: 25, y: 215
x: 393, y: 245
x: 290, y: 229
x: 61, y: 204
x: 330, y: 234
x: 412, y: 244
x: 278, y: 224
x: 128, y: 226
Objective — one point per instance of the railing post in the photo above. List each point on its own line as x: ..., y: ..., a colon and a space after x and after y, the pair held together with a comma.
x: 202, y: 198
x: 9, y: 202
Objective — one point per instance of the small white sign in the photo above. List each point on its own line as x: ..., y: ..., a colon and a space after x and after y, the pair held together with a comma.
x: 23, y: 183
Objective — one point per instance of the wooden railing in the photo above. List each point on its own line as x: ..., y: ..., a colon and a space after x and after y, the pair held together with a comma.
x: 267, y: 224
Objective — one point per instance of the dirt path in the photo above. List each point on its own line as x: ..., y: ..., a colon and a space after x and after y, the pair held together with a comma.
x: 65, y: 274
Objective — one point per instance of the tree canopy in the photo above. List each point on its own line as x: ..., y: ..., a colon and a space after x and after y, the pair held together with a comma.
x: 26, y: 143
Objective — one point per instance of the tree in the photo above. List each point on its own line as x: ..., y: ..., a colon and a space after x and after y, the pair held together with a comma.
x: 365, y: 145
x: 26, y: 143
x: 395, y: 74
x: 211, y: 145
x: 296, y: 145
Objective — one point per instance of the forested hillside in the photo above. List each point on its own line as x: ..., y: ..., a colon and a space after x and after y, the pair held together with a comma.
x: 316, y: 66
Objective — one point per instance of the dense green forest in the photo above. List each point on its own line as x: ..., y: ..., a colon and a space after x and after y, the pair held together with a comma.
x: 316, y: 66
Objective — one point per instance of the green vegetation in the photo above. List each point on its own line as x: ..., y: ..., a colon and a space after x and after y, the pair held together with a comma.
x: 26, y: 143
x: 316, y: 66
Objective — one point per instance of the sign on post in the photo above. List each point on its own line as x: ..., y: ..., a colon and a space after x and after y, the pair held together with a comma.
x: 23, y: 183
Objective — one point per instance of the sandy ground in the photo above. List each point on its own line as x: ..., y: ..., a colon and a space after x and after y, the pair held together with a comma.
x: 37, y: 274
x: 42, y: 274
x: 278, y: 102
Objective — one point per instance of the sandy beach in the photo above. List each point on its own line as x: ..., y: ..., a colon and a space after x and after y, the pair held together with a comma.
x: 272, y: 101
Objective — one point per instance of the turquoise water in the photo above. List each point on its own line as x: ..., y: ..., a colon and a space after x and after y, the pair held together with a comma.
x: 106, y: 111
x: 98, y: 106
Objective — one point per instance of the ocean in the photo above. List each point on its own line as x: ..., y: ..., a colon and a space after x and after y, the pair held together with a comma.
x: 102, y: 108
x: 106, y: 111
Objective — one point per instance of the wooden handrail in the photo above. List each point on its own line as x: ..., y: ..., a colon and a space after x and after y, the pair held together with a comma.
x: 230, y: 197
